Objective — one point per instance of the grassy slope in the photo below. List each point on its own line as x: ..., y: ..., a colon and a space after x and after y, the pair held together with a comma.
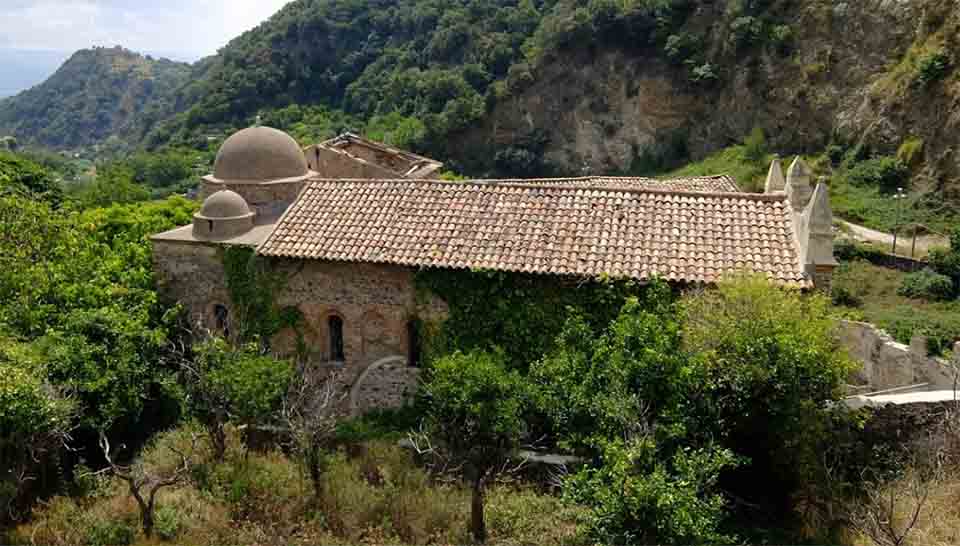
x: 732, y: 161
x: 876, y: 288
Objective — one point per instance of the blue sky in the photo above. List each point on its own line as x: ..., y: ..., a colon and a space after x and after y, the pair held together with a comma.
x: 187, y: 28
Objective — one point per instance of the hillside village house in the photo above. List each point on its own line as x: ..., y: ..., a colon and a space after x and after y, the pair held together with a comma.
x: 349, y: 222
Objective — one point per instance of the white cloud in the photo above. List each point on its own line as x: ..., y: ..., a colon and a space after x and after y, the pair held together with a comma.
x: 197, y: 27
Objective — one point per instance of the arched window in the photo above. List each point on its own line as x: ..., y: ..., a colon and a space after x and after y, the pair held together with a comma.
x: 222, y: 316
x: 413, y: 343
x: 335, y: 325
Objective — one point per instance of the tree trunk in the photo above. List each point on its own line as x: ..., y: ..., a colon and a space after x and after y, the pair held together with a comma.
x: 315, y: 474
x: 147, y: 520
x: 219, y: 440
x: 477, y: 523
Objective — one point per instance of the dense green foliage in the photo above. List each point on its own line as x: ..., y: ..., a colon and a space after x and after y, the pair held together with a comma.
x: 932, y: 68
x: 79, y: 285
x: 19, y: 175
x: 739, y: 375
x: 35, y: 420
x: 641, y: 498
x: 598, y: 383
x: 475, y: 405
x: 927, y: 284
x: 773, y: 361
x: 431, y: 60
x: 886, y: 173
x: 946, y: 261
x: 247, y: 385
x: 519, y: 314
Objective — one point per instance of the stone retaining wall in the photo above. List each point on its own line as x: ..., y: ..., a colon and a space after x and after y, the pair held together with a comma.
x: 889, y: 365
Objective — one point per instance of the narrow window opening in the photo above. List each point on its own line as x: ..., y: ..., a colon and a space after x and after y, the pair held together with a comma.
x: 335, y: 324
x: 413, y: 343
x: 210, y: 222
x: 222, y: 316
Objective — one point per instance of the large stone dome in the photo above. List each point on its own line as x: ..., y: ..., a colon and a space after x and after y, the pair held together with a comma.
x: 259, y: 154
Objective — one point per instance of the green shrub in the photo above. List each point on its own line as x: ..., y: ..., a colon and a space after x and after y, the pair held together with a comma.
x: 886, y: 173
x: 772, y: 362
x: 910, y: 152
x: 637, y: 498
x: 932, y: 68
x: 387, y: 424
x: 111, y: 532
x: 927, y: 284
x: 473, y: 408
x: 781, y: 36
x: 745, y: 30
x: 682, y: 47
x: 835, y: 153
x: 704, y: 73
x: 168, y: 523
x: 946, y: 261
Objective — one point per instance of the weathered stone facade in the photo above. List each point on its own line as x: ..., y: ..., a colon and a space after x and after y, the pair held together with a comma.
x: 374, y: 303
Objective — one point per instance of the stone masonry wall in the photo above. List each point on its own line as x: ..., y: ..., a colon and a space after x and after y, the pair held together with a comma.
x: 193, y: 275
x: 269, y: 199
x: 888, y: 364
x: 374, y: 302
x: 330, y: 164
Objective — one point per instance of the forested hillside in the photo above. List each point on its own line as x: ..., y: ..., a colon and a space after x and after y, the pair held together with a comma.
x: 96, y: 94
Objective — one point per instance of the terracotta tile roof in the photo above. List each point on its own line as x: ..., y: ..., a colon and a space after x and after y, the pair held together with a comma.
x: 694, y: 237
x: 719, y: 184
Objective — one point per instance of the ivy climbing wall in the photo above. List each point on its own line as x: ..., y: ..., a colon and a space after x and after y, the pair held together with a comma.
x: 288, y: 305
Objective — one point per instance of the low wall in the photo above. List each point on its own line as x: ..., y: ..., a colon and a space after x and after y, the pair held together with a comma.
x: 889, y: 365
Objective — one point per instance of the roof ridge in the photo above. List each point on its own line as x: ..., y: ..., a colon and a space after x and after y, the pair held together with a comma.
x: 526, y: 184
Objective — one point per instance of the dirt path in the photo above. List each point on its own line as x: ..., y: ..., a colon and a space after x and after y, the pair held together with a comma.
x: 885, y: 240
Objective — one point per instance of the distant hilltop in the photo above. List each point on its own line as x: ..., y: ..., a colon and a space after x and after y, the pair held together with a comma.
x: 95, y: 94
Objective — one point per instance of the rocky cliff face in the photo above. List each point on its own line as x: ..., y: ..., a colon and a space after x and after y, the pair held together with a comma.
x: 851, y: 72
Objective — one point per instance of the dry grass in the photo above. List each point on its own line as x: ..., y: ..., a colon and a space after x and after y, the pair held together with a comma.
x: 375, y: 494
x: 939, y: 519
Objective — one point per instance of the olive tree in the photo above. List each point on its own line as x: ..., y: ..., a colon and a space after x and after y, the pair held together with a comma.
x: 310, y: 413
x: 473, y: 421
x: 145, y: 480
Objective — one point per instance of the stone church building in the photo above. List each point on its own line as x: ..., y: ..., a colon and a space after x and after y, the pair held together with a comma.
x: 348, y: 222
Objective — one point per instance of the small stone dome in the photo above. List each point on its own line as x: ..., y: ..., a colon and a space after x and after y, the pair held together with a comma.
x: 224, y: 204
x: 224, y: 215
x: 259, y: 154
